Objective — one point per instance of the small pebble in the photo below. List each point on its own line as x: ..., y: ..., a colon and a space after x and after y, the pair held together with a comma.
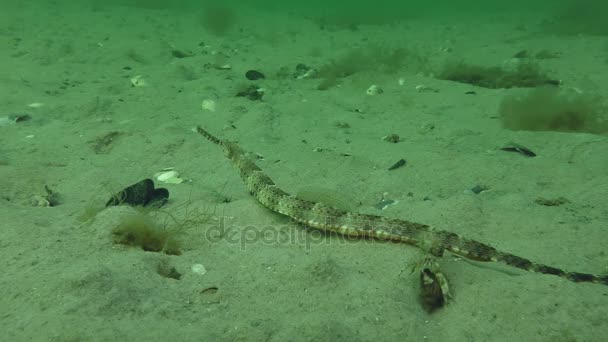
x: 374, y: 90
x: 198, y: 269
x: 477, y: 189
x: 392, y: 138
x: 254, y: 75
x: 181, y: 53
x: 397, y: 165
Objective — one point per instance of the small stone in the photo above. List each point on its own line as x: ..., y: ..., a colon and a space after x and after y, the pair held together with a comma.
x: 138, y: 81
x: 374, y: 90
x: 341, y: 124
x: 20, y: 117
x: 392, y: 138
x: 198, y: 269
x: 254, y: 75
x: 181, y: 54
x: 551, y: 202
x: 208, y: 105
x: 477, y: 189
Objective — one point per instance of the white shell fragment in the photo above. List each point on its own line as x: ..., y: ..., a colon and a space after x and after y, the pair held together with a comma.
x: 168, y: 176
x: 138, y: 81
x: 224, y: 67
x: 198, y: 269
x: 374, y: 90
x: 208, y: 105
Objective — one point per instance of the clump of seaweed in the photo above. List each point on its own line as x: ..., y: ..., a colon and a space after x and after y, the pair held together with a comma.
x: 551, y: 109
x: 157, y: 230
x: 146, y: 225
x: 525, y: 75
x: 368, y: 59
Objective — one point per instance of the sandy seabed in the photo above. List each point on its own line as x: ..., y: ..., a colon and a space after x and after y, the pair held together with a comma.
x: 92, y: 132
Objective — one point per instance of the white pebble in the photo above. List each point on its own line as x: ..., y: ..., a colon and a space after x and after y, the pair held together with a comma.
x: 374, y: 90
x: 208, y: 105
x: 198, y: 269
